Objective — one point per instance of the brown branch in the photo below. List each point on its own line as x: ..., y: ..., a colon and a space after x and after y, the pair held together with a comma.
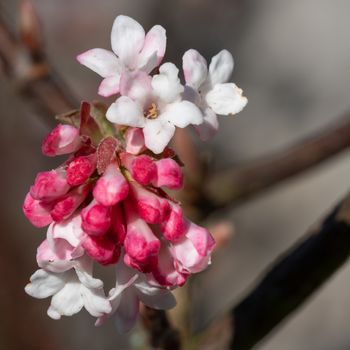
x: 25, y: 64
x: 291, y: 280
x: 241, y: 183
x: 161, y: 333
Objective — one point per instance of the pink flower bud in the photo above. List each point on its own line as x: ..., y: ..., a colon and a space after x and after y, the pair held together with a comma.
x: 80, y: 169
x: 135, y: 141
x: 141, y: 245
x: 143, y: 169
x: 102, y: 249
x: 69, y: 203
x: 169, y: 174
x: 62, y: 139
x: 151, y: 208
x: 174, y: 227
x: 96, y: 219
x: 165, y: 273
x: 118, y: 228
x: 36, y: 212
x: 50, y: 185
x: 192, y: 253
x: 111, y: 187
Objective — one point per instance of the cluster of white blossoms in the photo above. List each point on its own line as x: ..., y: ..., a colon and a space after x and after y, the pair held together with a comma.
x: 159, y: 103
x: 107, y: 203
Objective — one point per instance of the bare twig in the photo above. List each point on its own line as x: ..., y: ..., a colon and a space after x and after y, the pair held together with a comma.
x: 24, y: 62
x: 291, y: 280
x: 230, y: 187
x: 161, y: 333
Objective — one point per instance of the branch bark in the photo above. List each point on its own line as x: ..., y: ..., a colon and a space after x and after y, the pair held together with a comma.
x: 161, y: 333
x: 293, y: 279
x: 240, y: 183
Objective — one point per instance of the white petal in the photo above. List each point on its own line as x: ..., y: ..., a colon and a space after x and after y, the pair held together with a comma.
x: 183, y: 113
x: 101, y: 61
x: 155, y: 43
x: 69, y: 230
x: 109, y: 86
x: 209, y: 127
x: 166, y: 85
x: 221, y: 67
x: 157, y: 134
x: 127, y: 39
x: 44, y: 284
x: 137, y: 86
x: 127, y: 311
x: 195, y: 68
x: 68, y: 301
x: 226, y: 99
x: 95, y: 302
x: 126, y: 112
x: 83, y: 269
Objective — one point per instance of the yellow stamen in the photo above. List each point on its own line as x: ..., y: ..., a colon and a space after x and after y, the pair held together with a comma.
x: 152, y: 112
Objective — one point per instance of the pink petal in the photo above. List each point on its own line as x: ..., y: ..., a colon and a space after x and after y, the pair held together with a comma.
x: 137, y: 86
x: 143, y: 169
x: 50, y: 185
x: 68, y: 204
x: 111, y: 187
x: 102, y: 249
x: 96, y: 219
x: 80, y: 169
x: 101, y: 61
x: 109, y: 86
x: 135, y: 142
x: 63, y: 139
x: 118, y: 226
x: 174, y: 227
x: 151, y: 208
x: 195, y: 68
x: 36, y: 212
x: 155, y: 42
x: 169, y: 174
x: 127, y: 39
x: 141, y: 245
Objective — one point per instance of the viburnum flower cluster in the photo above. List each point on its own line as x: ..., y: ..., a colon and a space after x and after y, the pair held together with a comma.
x: 107, y: 203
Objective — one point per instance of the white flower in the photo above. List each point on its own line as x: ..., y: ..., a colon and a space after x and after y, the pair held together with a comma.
x: 133, y: 50
x: 131, y: 288
x: 154, y: 104
x: 71, y: 291
x: 210, y: 90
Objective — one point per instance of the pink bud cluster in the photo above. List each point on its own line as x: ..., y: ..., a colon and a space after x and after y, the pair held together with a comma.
x: 124, y: 211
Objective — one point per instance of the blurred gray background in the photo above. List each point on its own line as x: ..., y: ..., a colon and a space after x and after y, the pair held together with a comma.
x: 292, y: 59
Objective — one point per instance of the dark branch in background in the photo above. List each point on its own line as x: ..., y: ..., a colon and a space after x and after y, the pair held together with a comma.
x: 24, y: 62
x: 240, y: 183
x: 161, y: 333
x: 292, y: 279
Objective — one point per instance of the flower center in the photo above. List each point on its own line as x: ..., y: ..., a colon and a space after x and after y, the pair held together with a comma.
x: 151, y: 112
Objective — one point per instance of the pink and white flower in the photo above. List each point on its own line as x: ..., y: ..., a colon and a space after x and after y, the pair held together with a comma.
x: 154, y: 104
x: 210, y: 89
x: 63, y: 139
x: 131, y: 289
x: 70, y: 291
x: 133, y: 50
